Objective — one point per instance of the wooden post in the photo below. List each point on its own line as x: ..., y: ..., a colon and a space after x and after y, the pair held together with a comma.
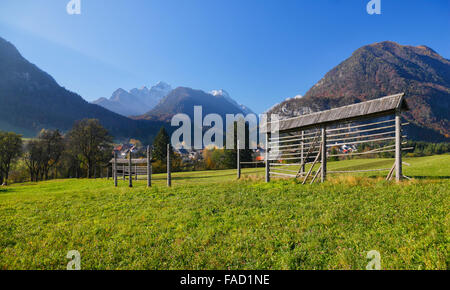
x: 302, y: 170
x: 169, y: 174
x: 267, y: 158
x: 123, y: 172
x: 398, y: 147
x: 136, y: 172
x: 115, y: 169
x: 238, y: 161
x: 324, y: 154
x: 149, y: 167
x: 130, y: 174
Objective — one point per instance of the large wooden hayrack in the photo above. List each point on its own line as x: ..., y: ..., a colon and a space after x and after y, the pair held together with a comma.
x: 306, y: 141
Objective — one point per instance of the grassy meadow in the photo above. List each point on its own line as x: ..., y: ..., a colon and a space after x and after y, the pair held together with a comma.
x: 208, y: 220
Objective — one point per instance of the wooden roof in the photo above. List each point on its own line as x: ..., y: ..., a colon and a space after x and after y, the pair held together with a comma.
x: 375, y: 108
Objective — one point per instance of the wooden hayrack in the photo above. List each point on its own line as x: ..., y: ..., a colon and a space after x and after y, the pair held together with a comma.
x: 307, y: 140
x: 134, y: 167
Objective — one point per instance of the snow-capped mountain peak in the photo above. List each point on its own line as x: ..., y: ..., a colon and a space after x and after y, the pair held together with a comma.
x: 227, y: 97
x: 136, y: 101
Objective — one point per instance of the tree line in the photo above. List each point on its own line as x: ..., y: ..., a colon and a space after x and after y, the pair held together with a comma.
x: 79, y: 153
x: 85, y: 152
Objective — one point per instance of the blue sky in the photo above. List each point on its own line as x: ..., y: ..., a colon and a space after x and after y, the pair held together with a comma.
x: 260, y: 51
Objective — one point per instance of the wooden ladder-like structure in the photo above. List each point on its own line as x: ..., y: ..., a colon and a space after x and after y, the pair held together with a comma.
x: 314, y: 144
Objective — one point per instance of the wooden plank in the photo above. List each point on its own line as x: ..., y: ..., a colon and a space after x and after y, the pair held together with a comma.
x: 292, y: 136
x: 359, y: 171
x: 316, y: 144
x: 362, y: 131
x: 282, y: 174
x: 362, y: 136
x: 311, y: 169
x: 316, y: 175
x: 359, y: 126
x: 389, y: 177
x: 285, y: 170
x: 361, y: 142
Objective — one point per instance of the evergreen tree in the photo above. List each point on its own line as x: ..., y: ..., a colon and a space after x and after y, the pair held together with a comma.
x: 160, y: 145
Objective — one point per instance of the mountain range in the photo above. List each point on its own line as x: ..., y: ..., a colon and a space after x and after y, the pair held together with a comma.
x: 30, y: 99
x: 136, y: 101
x: 383, y: 69
x: 183, y: 100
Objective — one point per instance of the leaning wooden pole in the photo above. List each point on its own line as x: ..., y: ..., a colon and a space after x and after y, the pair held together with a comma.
x: 130, y: 173
x: 324, y: 155
x: 169, y: 173
x: 238, y: 161
x: 149, y: 167
x: 115, y: 169
x: 267, y: 159
x: 398, y: 147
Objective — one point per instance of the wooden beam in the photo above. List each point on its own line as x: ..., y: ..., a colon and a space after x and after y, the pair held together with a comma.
x: 238, y: 157
x: 398, y: 147
x: 149, y: 167
x: 169, y: 173
x: 317, y: 174
x: 282, y: 174
x: 391, y: 173
x: 130, y: 173
x: 302, y: 168
x: 323, y: 176
x: 115, y: 169
x: 311, y: 169
x: 267, y: 158
x: 358, y: 171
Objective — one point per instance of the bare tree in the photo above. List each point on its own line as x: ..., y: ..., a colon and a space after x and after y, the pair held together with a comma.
x: 52, y: 147
x: 89, y: 140
x: 33, y: 159
x: 10, y: 150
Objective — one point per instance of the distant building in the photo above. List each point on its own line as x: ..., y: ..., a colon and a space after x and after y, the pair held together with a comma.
x: 123, y: 149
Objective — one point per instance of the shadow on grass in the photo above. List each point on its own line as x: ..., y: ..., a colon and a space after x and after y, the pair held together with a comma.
x: 3, y: 190
x: 430, y: 177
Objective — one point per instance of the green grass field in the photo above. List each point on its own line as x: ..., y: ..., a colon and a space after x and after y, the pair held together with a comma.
x: 208, y: 220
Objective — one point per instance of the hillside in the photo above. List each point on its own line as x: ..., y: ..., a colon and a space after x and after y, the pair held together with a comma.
x: 183, y: 100
x: 383, y: 69
x: 30, y: 99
